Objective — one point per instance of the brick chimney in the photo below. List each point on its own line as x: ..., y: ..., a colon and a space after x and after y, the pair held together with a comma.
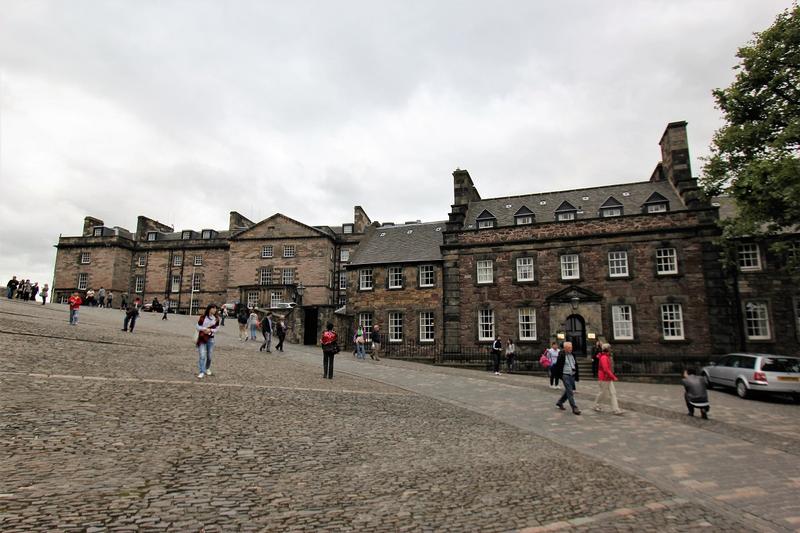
x: 144, y: 224
x: 675, y: 165
x: 88, y: 224
x: 237, y: 221
x: 464, y: 192
x: 360, y: 219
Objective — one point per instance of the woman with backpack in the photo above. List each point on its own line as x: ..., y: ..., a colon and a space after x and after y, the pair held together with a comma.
x: 358, y: 338
x: 206, y: 326
x: 330, y: 347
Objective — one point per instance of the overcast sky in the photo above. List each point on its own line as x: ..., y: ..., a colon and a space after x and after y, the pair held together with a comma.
x: 185, y: 110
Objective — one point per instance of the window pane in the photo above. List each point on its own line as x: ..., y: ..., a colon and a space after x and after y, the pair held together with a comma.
x: 344, y: 256
x: 198, y: 260
x: 656, y: 208
x: 266, y: 251
x: 252, y: 299
x: 622, y: 318
x: 426, y: 277
x: 365, y: 279
x: 527, y: 324
x: 666, y: 261
x: 485, y: 325
x: 749, y: 257
x: 83, y: 280
x: 176, y: 284
x: 525, y: 269
x: 288, y: 276
x: 395, y: 277
x: 570, y: 268
x: 395, y: 327
x: 485, y: 272
x: 756, y: 320
x: 618, y: 264
x: 288, y: 250
x: 672, y: 321
x: 426, y: 326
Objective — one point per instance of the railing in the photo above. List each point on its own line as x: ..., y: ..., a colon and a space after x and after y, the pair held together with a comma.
x: 659, y: 365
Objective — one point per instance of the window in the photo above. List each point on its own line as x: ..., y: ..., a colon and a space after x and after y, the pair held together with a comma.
x: 622, y: 320
x: 486, y: 223
x: 749, y: 257
x: 198, y: 260
x: 395, y: 277
x: 175, y: 286
x: 252, y: 298
x: 142, y: 260
x: 289, y: 250
x: 344, y: 256
x: 672, y: 321
x: 570, y: 267
x: 288, y: 276
x: 196, y: 282
x: 195, y: 308
x: 275, y: 298
x: 139, y: 284
x: 98, y: 232
x: 152, y: 235
x: 525, y: 269
x: 564, y: 216
x: 523, y: 220
x: 611, y: 212
x: 485, y: 271
x: 756, y: 320
x: 426, y: 326
x: 265, y: 276
x: 347, y: 228
x: 177, y: 260
x: 85, y: 258
x: 657, y: 208
x: 266, y: 251
x: 618, y: 264
x: 427, y: 278
x: 485, y: 325
x: 342, y: 280
x: 207, y: 233
x: 186, y: 235
x: 527, y: 324
x: 342, y: 300
x: 365, y: 321
x: 83, y: 281
x: 666, y: 261
x: 365, y: 279
x: 395, y: 327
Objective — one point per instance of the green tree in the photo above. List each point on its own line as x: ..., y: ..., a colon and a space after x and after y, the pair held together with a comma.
x: 755, y: 156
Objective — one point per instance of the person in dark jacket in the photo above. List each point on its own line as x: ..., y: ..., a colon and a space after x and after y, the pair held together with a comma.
x: 131, y: 314
x: 266, y: 331
x: 330, y: 347
x: 696, y: 395
x: 280, y: 331
x: 566, y: 368
x: 598, y: 349
x: 497, y: 351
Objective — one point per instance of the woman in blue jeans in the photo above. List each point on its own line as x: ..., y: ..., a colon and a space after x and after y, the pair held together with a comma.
x: 206, y: 326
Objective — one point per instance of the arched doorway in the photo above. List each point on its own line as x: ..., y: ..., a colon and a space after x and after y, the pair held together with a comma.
x: 576, y: 333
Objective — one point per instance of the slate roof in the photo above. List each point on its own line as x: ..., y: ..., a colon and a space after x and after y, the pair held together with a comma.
x: 637, y: 194
x: 177, y: 236
x: 403, y: 243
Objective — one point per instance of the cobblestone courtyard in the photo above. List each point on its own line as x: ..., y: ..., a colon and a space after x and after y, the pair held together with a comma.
x: 106, y: 430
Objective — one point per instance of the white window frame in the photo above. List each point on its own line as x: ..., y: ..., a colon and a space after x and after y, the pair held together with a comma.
x: 526, y: 317
x: 196, y: 278
x: 265, y: 276
x: 523, y: 220
x: 618, y: 264
x: 485, y: 324
x: 343, y: 280
x: 672, y: 321
x: 177, y: 260
x: 344, y: 256
x: 748, y: 257
x: 365, y: 280
x: 152, y: 236
x: 198, y: 260
x: 486, y: 223
x: 666, y: 261
x: 570, y: 266
x: 622, y: 322
x: 365, y: 322
x: 266, y: 251
x: 275, y: 297
x: 395, y: 326
x: 86, y: 258
x: 660, y: 207
x: 252, y: 299
x: 342, y: 300
x: 525, y: 270
x: 186, y: 235
x: 97, y: 232
x: 141, y: 260
x: 609, y: 212
x: 206, y: 234
x: 427, y: 276
x: 565, y: 216
x: 485, y: 271
x: 289, y: 250
x: 347, y: 228
x: 138, y: 284
x: 287, y: 276
x: 427, y: 326
x: 175, y: 284
x: 195, y: 308
x: 756, y: 321
x: 395, y: 274
x: 83, y: 281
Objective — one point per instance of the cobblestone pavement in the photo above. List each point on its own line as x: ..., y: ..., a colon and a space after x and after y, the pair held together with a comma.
x: 106, y: 430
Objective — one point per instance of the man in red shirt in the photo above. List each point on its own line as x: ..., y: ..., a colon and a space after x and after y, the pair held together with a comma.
x: 74, y: 305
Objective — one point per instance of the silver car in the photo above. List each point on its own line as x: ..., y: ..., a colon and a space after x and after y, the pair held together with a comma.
x: 756, y: 372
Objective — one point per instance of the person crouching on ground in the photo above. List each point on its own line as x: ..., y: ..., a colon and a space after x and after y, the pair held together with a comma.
x: 606, y: 377
x: 696, y: 395
x: 567, y: 369
x: 330, y: 347
x: 206, y: 326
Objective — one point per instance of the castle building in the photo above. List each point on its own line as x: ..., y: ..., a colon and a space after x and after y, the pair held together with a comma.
x: 636, y: 264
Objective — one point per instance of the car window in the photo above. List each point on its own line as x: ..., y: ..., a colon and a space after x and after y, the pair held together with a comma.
x: 780, y: 364
x: 746, y: 362
x: 725, y: 361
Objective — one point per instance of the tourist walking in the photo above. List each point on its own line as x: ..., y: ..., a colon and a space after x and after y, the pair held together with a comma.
x: 266, y: 332
x: 497, y: 349
x: 11, y: 287
x: 74, y: 306
x: 375, y: 337
x: 90, y: 298
x: 280, y: 331
x: 241, y: 317
x: 359, y: 342
x: 166, y: 309
x: 567, y: 369
x: 252, y: 324
x: 696, y: 394
x: 45, y: 292
x: 330, y: 347
x: 131, y: 314
x: 124, y: 303
x: 596, y: 351
x: 101, y: 297
x: 34, y: 291
x: 552, y: 354
x: 26, y: 290
x: 511, y: 354
x: 206, y: 326
x: 606, y: 377
x: 110, y: 300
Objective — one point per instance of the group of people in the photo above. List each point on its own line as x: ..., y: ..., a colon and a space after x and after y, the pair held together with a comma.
x: 23, y: 289
x: 360, y: 344
x: 101, y: 298
x: 270, y: 325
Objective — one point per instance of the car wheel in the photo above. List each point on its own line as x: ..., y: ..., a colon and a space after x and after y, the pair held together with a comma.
x: 741, y: 389
x: 709, y: 385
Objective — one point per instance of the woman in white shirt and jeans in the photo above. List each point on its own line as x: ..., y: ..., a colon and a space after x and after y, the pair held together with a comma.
x: 206, y: 326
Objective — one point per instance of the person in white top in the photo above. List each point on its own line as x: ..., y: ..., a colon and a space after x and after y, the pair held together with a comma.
x: 552, y: 354
x: 206, y: 326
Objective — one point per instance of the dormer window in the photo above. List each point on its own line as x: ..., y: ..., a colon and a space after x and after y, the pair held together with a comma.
x: 152, y: 235
x: 207, y: 233
x: 611, y: 208
x: 523, y: 216
x: 656, y: 203
x: 566, y: 211
x: 186, y: 235
x: 347, y: 228
x: 98, y: 231
x: 486, y: 220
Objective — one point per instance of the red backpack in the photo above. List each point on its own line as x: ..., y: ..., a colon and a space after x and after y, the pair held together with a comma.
x: 544, y: 359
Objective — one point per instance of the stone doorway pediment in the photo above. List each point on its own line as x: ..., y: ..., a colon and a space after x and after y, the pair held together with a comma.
x: 569, y: 294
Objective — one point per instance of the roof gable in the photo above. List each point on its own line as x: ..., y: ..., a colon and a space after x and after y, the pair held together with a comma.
x: 655, y: 198
x: 523, y: 211
x: 611, y: 202
x: 566, y: 206
x: 485, y: 215
x: 278, y: 226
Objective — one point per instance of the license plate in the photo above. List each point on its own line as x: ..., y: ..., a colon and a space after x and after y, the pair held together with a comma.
x: 788, y: 378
